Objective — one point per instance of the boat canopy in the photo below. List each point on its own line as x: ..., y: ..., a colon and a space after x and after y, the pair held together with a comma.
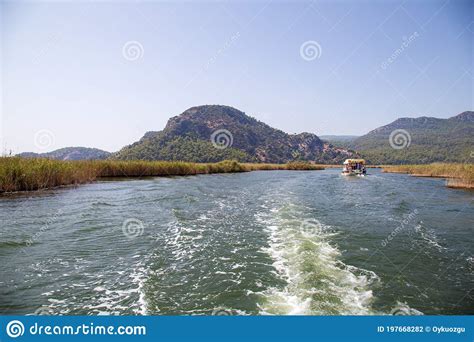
x: 354, y: 161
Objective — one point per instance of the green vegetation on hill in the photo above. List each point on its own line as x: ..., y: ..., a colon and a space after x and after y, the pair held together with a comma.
x: 70, y: 153
x: 188, y: 137
x: 180, y: 148
x: 431, y: 140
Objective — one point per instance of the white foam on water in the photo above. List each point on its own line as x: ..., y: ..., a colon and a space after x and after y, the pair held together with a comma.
x: 110, y: 298
x: 138, y: 277
x: 183, y: 239
x: 317, y: 282
x: 103, y: 293
x: 470, y: 260
x: 429, y: 236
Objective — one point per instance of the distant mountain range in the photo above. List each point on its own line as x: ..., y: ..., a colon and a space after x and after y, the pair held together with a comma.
x: 212, y: 133
x: 70, y: 153
x: 339, y: 140
x: 419, y: 141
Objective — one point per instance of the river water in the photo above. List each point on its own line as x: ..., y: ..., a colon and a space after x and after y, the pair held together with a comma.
x: 267, y: 242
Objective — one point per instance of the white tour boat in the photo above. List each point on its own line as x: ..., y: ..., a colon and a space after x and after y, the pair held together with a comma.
x: 354, y: 167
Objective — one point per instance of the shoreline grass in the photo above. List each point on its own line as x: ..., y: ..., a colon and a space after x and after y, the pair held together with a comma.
x: 457, y: 175
x: 21, y: 174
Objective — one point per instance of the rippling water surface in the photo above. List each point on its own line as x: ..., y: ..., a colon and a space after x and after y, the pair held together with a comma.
x: 270, y: 242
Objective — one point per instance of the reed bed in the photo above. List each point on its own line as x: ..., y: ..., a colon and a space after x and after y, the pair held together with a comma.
x: 139, y: 168
x: 457, y: 175
x: 17, y: 174
x: 20, y: 174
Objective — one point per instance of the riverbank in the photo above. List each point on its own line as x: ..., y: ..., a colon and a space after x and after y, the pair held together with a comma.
x: 20, y: 174
x: 457, y: 175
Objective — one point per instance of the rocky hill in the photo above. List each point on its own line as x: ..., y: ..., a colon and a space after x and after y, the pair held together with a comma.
x: 213, y: 132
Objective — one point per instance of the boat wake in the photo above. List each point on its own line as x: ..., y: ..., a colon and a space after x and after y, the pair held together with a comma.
x: 317, y: 282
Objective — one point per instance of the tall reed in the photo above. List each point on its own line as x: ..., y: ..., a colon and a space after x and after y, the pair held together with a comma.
x: 19, y: 174
x: 458, y: 175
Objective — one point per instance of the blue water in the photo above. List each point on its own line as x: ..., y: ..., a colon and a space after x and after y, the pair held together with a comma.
x: 268, y: 242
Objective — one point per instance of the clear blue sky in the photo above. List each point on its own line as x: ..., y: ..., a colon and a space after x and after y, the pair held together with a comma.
x: 64, y: 69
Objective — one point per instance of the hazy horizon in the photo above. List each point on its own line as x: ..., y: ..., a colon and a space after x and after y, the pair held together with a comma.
x: 102, y: 74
